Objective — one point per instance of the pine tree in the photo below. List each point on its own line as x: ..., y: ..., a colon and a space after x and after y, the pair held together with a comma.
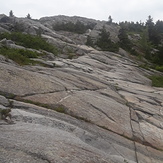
x: 153, y: 34
x: 28, y: 16
x: 110, y: 20
x: 89, y: 41
x: 104, y: 42
x: 11, y: 14
x: 124, y: 41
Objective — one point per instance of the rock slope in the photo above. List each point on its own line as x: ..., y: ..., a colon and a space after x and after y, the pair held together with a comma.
x: 97, y: 108
x: 111, y: 113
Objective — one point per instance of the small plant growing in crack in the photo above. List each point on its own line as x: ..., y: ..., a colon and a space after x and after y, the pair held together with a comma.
x: 127, y: 103
x: 125, y: 161
x: 116, y: 87
x: 60, y: 109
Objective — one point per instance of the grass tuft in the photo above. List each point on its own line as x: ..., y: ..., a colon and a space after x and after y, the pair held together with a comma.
x: 157, y: 81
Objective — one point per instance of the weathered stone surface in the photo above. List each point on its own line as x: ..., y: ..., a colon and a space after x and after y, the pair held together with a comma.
x: 3, y: 101
x: 54, y: 137
x: 100, y: 90
x: 107, y: 109
x: 18, y: 81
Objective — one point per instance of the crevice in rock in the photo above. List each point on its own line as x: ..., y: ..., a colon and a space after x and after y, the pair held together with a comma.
x: 152, y: 103
x: 156, y: 100
x: 113, y: 97
x: 149, y: 154
x: 33, y: 155
x: 117, y: 151
x: 141, y: 132
x: 143, y: 111
x: 41, y: 93
x: 37, y: 155
x: 66, y: 90
x: 154, y: 124
x: 134, y: 139
x: 103, y: 112
x: 136, y: 156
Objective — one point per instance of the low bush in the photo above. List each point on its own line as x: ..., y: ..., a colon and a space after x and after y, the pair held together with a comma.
x: 104, y: 41
x: 159, y: 68
x: 157, y: 81
x: 29, y: 41
x: 20, y: 56
x: 77, y: 27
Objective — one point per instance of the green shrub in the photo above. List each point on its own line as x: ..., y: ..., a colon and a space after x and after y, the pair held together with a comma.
x: 20, y: 56
x: 159, y: 68
x: 124, y: 41
x: 145, y: 66
x: 157, y: 81
x: 104, y: 42
x: 89, y: 41
x: 60, y: 109
x: 29, y: 41
x: 7, y: 95
x: 77, y: 27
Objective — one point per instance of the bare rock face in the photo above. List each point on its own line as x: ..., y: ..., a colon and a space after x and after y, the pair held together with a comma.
x: 96, y: 108
x: 24, y: 82
x: 3, y: 101
x: 107, y: 112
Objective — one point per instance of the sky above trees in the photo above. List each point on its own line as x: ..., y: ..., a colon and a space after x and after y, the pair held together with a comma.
x: 120, y: 10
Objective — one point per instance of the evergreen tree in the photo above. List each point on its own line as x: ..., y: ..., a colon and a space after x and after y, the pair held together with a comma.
x: 11, y: 14
x: 124, y: 41
x: 104, y: 41
x: 144, y: 43
x: 28, y: 16
x: 110, y: 20
x: 153, y: 34
x: 159, y: 27
x: 89, y: 41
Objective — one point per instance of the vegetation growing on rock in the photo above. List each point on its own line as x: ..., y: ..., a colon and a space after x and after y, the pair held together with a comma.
x: 97, y: 107
x: 77, y: 27
x: 145, y: 39
x: 105, y: 43
x: 157, y: 81
x: 20, y: 56
x: 29, y: 41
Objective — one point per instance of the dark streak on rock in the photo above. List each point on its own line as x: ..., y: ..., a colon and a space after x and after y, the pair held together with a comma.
x: 103, y: 112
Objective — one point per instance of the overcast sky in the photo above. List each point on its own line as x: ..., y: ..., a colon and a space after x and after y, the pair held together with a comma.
x: 120, y: 10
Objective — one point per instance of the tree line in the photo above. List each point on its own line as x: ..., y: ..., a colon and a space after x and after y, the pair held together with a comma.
x: 151, y: 38
x: 11, y: 14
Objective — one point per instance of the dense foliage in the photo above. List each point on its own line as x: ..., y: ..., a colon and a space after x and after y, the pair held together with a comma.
x: 157, y: 81
x: 105, y: 43
x: 124, y: 41
x: 20, y: 56
x: 23, y: 56
x: 77, y: 27
x: 150, y: 43
x: 89, y: 41
x: 29, y: 41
